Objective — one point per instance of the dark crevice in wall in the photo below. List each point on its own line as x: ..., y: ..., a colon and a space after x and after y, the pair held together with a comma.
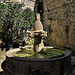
x: 67, y: 31
x: 50, y: 29
x: 67, y: 48
x: 50, y: 18
x: 61, y: 34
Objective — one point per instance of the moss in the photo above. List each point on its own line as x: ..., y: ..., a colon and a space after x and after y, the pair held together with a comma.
x: 46, y: 53
x: 28, y: 50
x: 23, y: 55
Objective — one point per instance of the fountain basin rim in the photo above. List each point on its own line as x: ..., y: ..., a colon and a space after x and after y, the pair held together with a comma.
x: 66, y: 54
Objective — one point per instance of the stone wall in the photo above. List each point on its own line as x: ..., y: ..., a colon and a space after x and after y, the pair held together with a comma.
x: 28, y: 3
x: 58, y: 18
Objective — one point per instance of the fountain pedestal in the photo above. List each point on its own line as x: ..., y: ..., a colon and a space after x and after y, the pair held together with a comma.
x: 37, y: 34
x: 38, y: 42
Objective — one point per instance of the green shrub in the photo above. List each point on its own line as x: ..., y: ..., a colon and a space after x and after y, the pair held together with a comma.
x: 13, y: 18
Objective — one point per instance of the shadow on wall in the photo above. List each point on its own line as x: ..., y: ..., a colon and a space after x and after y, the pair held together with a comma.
x: 38, y: 8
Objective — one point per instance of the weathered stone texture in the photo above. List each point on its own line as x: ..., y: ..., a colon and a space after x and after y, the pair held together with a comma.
x: 59, y: 21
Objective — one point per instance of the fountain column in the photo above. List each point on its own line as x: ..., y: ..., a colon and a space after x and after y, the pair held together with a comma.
x: 38, y: 34
x: 38, y: 44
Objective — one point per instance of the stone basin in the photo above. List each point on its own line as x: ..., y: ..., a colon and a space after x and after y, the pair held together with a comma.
x: 38, y: 66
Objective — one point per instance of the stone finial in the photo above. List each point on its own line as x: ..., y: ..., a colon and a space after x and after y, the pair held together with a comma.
x: 37, y: 16
x: 38, y: 25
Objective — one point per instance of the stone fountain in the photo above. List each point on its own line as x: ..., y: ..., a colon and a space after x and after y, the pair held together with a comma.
x: 60, y: 65
x: 37, y: 34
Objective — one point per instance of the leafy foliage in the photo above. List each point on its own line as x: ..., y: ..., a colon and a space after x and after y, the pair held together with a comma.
x: 15, y: 20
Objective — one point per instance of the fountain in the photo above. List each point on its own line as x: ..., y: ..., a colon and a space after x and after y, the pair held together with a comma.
x: 37, y: 34
x: 40, y: 60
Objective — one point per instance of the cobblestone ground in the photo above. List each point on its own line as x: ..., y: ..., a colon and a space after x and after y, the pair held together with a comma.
x: 4, y: 72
